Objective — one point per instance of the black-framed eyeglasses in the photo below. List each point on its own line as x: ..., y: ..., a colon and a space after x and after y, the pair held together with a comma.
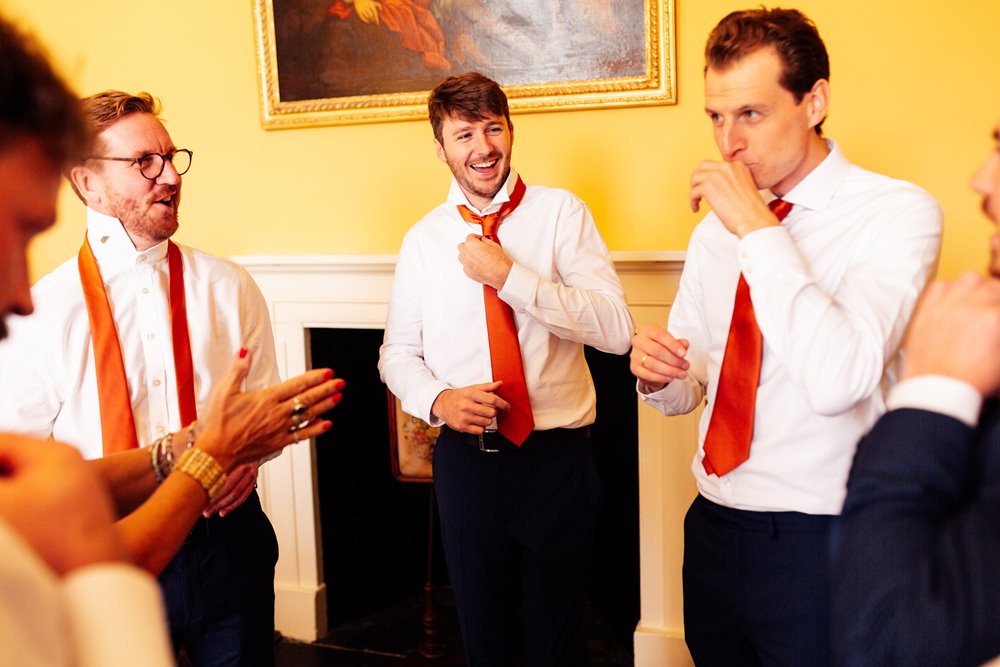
x: 151, y: 164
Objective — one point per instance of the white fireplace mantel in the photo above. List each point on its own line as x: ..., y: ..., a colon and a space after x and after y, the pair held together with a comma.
x: 352, y: 291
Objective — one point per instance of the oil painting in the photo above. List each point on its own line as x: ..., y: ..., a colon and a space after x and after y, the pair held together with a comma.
x: 353, y: 61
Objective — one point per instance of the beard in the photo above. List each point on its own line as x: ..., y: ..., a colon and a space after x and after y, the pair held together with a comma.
x: 485, y: 189
x: 488, y: 192
x: 147, y: 218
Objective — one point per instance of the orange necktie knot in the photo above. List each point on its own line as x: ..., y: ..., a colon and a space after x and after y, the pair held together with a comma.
x: 780, y: 208
x: 490, y: 222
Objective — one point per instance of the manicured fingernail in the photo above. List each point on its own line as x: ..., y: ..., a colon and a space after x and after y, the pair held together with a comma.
x: 326, y: 426
x: 243, y: 352
x: 327, y: 374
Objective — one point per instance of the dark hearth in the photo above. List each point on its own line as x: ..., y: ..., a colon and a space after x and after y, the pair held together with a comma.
x: 375, y: 528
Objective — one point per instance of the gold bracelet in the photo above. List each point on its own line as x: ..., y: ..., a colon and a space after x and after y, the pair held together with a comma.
x: 204, y: 469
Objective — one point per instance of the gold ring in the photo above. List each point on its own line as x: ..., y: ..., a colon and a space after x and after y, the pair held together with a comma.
x: 643, y: 362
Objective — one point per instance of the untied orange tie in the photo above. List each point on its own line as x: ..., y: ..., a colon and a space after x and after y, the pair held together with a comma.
x: 516, y: 423
x: 727, y: 442
x: 117, y: 421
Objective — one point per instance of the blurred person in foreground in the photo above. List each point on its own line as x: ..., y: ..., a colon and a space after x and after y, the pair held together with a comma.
x: 915, y: 573
x: 69, y: 592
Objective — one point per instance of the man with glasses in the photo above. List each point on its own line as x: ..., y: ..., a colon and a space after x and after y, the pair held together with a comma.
x: 126, y: 343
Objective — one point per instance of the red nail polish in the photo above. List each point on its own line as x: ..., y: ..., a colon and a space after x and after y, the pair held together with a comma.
x: 243, y: 352
x: 327, y: 374
x: 326, y: 426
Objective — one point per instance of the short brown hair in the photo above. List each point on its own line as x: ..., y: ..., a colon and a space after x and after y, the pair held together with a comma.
x: 469, y: 96
x: 103, y: 109
x: 35, y: 102
x: 793, y: 36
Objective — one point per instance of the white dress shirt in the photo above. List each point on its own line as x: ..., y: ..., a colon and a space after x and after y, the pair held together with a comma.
x: 108, y: 615
x: 833, y: 288
x: 48, y: 384
x: 562, y: 288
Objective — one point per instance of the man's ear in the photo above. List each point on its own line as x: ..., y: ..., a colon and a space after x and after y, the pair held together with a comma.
x: 440, y: 151
x: 818, y: 100
x: 85, y: 181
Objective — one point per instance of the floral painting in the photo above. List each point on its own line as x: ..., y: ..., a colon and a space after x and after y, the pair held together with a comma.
x: 411, y: 443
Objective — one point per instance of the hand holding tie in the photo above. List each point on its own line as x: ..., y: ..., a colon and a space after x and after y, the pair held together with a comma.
x: 484, y: 261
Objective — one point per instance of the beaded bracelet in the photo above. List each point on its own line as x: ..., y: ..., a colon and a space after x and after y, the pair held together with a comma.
x: 204, y: 469
x: 162, y: 457
x: 194, y: 431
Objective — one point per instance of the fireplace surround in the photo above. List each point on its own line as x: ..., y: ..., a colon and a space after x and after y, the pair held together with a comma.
x: 352, y: 292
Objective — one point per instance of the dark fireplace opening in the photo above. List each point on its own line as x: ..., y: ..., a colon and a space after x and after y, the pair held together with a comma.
x: 614, y: 581
x: 374, y: 527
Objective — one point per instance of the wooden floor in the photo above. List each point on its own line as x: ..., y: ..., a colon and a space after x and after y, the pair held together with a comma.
x: 391, y: 638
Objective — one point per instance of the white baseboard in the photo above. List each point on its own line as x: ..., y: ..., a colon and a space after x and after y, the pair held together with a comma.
x: 300, y: 613
x: 660, y: 647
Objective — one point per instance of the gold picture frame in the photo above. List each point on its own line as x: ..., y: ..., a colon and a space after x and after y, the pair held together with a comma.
x: 320, y: 63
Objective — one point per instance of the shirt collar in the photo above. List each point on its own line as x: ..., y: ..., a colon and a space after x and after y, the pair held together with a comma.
x: 456, y: 197
x: 820, y: 185
x: 112, y: 245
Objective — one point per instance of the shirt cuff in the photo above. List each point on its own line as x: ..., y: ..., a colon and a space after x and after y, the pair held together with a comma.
x: 938, y: 393
x: 520, y: 287
x: 116, y: 616
x: 643, y: 390
x: 425, y: 402
x: 764, y: 249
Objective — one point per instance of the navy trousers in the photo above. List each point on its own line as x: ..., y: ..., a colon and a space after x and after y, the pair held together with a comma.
x: 756, y: 587
x: 219, y: 590
x: 518, y: 527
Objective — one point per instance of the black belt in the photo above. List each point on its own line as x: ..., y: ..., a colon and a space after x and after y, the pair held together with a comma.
x: 492, y: 441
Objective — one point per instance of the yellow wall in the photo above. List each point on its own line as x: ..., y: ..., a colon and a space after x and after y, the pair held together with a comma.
x: 916, y: 90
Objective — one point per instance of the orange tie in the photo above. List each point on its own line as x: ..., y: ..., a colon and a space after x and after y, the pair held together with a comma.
x: 727, y: 443
x: 505, y: 351
x: 117, y: 422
